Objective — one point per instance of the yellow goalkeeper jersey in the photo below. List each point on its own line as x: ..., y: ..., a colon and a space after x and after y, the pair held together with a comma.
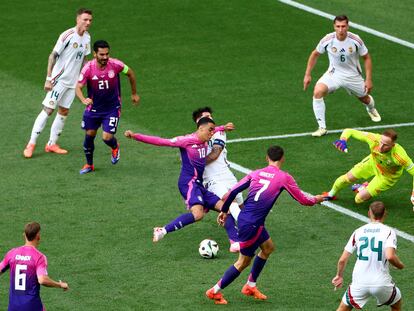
x: 389, y: 164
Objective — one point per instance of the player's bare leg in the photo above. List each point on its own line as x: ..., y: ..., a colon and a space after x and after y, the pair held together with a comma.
x: 396, y: 306
x: 369, y: 103
x: 362, y: 196
x: 319, y: 92
x: 343, y: 307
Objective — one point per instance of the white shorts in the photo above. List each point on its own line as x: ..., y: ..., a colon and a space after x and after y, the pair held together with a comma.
x: 357, y: 296
x: 60, y: 95
x: 221, y: 184
x: 354, y: 85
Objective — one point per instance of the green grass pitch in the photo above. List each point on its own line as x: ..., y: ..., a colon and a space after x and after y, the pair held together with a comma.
x: 244, y: 58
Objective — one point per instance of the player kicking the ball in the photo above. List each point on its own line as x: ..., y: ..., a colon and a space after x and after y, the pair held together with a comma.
x: 344, y: 49
x: 385, y: 163
x: 265, y: 186
x: 103, y: 104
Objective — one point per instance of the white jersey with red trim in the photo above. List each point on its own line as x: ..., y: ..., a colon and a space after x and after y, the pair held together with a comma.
x: 370, y: 241
x: 220, y: 165
x: 71, y: 48
x: 343, y: 55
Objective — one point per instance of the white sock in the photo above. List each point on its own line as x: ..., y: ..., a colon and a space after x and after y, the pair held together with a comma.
x: 371, y: 104
x: 234, y: 210
x: 319, y: 111
x: 38, y: 126
x: 57, y: 128
x: 216, y: 289
x: 251, y: 284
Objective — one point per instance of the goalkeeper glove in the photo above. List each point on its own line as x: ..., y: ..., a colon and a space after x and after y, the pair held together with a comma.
x: 341, y: 145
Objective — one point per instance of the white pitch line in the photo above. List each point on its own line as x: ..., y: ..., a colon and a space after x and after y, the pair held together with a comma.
x: 333, y: 206
x: 236, y: 140
x: 354, y: 25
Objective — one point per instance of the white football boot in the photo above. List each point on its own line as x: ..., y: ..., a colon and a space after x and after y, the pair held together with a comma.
x: 159, y: 233
x: 320, y: 132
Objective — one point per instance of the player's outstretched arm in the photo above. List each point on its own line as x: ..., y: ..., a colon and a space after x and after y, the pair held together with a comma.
x: 48, y: 282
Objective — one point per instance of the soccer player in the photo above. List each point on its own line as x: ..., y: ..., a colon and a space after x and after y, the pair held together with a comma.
x: 218, y: 178
x: 193, y: 149
x: 344, y: 49
x: 28, y: 270
x: 265, y: 186
x: 376, y: 246
x: 103, y: 104
x: 385, y: 163
x: 63, y: 68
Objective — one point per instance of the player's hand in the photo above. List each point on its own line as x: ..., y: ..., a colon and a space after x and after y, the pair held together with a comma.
x: 135, y: 99
x: 221, y: 219
x: 337, y: 281
x: 412, y: 200
x: 229, y: 127
x: 341, y: 145
x: 319, y: 198
x: 48, y: 86
x: 87, y: 101
x: 129, y: 134
x: 368, y: 86
x: 64, y: 285
x: 306, y: 81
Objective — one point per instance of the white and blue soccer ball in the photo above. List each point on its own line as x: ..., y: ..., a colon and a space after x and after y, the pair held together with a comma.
x: 208, y: 248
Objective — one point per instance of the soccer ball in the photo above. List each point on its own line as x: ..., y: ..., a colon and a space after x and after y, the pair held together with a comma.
x: 208, y: 248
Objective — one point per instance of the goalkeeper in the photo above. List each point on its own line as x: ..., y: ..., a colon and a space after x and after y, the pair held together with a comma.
x: 385, y: 163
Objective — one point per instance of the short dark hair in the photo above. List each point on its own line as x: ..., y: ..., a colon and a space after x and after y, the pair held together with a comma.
x: 199, y: 112
x: 391, y: 134
x: 275, y: 153
x: 82, y: 11
x: 203, y: 121
x: 100, y: 44
x: 377, y: 209
x: 341, y: 18
x: 31, y: 229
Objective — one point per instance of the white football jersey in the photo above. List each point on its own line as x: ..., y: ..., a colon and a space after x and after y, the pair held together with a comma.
x: 343, y: 55
x: 71, y: 49
x: 370, y: 242
x: 220, y: 165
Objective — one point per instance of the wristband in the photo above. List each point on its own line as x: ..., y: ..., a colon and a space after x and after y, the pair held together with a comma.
x: 49, y: 79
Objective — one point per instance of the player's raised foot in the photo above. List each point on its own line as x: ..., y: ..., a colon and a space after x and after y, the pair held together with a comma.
x: 28, y: 151
x: 86, y: 169
x: 253, y: 291
x: 115, y: 155
x: 55, y: 149
x: 320, y: 132
x: 358, y: 187
x: 234, y: 247
x: 327, y: 197
x: 217, y: 297
x: 374, y: 115
x: 159, y: 233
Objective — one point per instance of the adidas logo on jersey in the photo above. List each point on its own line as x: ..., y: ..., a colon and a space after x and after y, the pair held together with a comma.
x: 194, y: 146
x: 95, y: 77
x: 342, y: 50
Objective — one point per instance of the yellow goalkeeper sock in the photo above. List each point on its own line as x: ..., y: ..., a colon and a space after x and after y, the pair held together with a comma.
x: 340, y: 183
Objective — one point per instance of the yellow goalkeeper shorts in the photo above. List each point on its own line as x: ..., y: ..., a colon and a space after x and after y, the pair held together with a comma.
x: 365, y: 170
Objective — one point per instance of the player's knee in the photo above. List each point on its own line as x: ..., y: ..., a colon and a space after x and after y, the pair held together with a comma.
x: 49, y: 111
x: 198, y: 215
x: 63, y: 111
